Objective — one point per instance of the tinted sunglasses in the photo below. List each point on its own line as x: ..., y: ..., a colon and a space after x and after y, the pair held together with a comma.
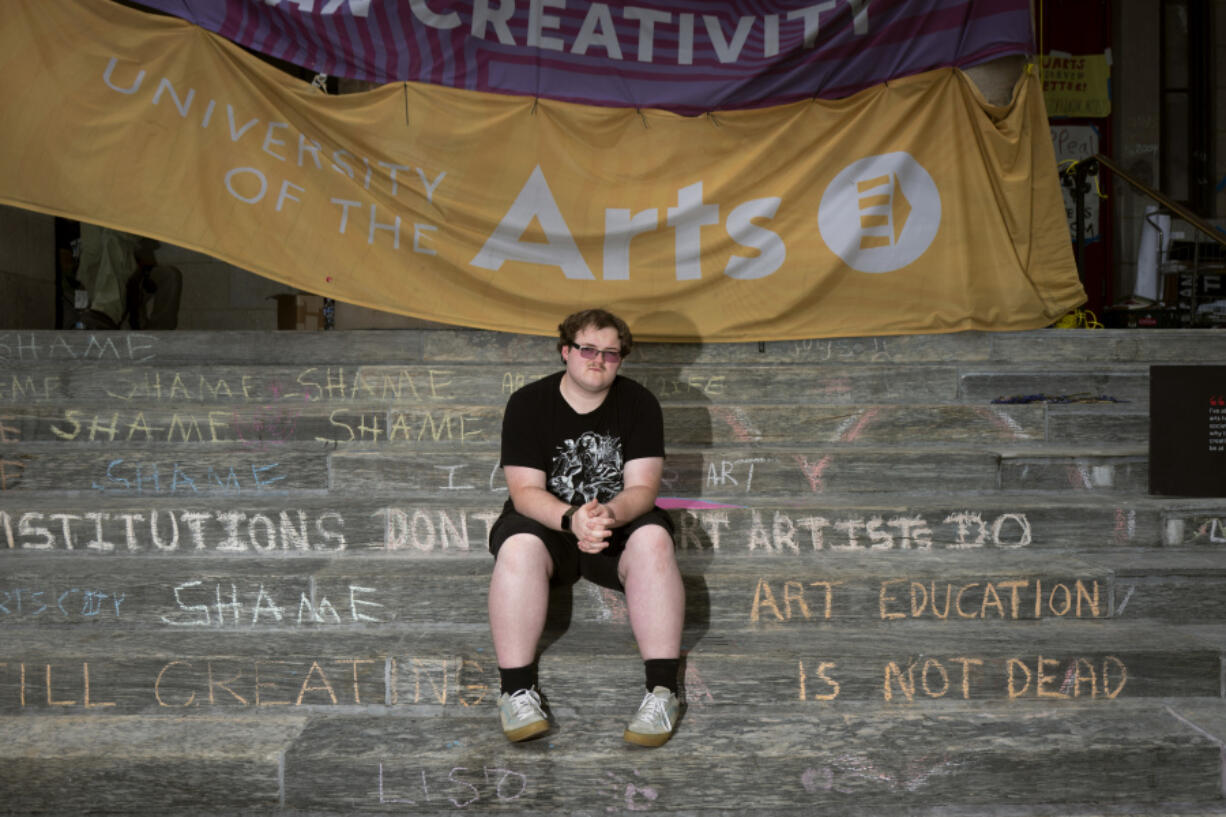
x: 590, y: 352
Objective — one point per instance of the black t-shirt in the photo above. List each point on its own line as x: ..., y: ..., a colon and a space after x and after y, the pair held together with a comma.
x: 582, y: 455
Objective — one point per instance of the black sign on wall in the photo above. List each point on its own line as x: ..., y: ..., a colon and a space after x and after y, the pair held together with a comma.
x: 1187, y: 430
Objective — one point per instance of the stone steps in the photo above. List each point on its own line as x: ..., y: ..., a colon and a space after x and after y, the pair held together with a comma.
x: 457, y: 426
x: 735, y: 591
x: 188, y: 384
x: 246, y: 572
x: 1138, y: 756
x: 748, y: 474
x: 458, y: 346
x: 242, y: 522
x: 133, y: 592
x: 103, y: 671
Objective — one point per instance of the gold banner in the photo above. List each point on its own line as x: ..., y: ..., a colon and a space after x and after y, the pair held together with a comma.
x: 908, y: 208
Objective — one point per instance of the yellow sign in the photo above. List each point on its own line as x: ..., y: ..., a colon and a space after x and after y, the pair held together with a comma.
x: 1077, y: 86
x: 907, y: 208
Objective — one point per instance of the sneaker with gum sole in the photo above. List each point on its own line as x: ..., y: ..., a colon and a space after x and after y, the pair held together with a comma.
x: 522, y: 715
x: 653, y: 724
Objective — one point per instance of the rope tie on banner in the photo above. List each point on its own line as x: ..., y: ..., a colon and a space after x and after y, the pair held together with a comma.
x: 714, y: 119
x: 1078, y: 319
x: 405, y: 87
x: 643, y: 117
x: 1068, y: 167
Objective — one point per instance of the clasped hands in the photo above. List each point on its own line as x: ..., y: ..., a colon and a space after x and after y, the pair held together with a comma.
x: 592, y: 524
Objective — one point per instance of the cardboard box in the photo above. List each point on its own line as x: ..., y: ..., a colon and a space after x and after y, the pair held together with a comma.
x: 300, y: 312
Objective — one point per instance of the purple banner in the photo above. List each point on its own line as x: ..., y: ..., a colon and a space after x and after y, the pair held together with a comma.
x: 687, y: 56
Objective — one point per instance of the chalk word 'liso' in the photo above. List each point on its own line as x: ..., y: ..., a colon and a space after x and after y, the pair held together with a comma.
x: 466, y: 786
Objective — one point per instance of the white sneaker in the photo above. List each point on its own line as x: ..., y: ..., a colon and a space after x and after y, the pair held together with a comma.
x: 653, y: 724
x: 522, y: 714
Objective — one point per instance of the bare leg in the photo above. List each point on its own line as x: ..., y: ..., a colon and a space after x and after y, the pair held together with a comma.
x: 655, y: 596
x: 519, y: 599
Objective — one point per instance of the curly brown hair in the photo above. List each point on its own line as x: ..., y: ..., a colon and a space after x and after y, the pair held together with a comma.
x: 596, y: 319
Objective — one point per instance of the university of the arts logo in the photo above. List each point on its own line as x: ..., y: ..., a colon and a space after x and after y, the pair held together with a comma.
x: 881, y: 213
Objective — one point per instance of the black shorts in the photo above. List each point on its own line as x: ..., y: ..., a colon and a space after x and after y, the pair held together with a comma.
x: 569, y: 563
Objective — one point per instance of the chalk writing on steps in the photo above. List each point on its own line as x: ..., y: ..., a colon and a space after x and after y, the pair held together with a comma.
x: 514, y: 381
x: 27, y: 388
x: 871, y: 349
x: 986, y: 599
x: 266, y: 425
x: 140, y: 477
x: 965, y: 677
x: 225, y: 531
x: 965, y: 530
x: 462, y: 786
x: 689, y: 386
x: 196, y: 682
x: 1211, y: 530
x: 311, y: 385
x: 60, y: 604
x: 129, y: 346
x: 11, y: 473
x: 1002, y: 599
x: 729, y: 471
x: 429, y: 529
x: 33, y: 680
x: 198, y: 604
x: 631, y: 791
x: 404, y: 425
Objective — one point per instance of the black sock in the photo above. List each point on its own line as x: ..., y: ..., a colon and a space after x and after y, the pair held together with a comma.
x: 517, y: 678
x: 662, y: 672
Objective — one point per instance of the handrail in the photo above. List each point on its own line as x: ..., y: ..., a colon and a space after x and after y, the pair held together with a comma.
x: 1175, y: 207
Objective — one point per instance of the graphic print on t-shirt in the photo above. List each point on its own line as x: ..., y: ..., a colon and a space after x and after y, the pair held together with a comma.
x: 587, y: 468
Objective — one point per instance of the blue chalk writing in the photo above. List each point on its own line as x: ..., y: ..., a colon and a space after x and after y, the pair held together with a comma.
x: 125, y: 476
x: 182, y: 478
x: 73, y: 603
x: 91, y: 602
x: 256, y: 472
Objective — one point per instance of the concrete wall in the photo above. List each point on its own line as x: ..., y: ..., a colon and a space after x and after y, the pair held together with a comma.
x: 1219, y: 106
x: 217, y: 295
x: 1136, y: 88
x: 1136, y: 106
x: 27, y: 270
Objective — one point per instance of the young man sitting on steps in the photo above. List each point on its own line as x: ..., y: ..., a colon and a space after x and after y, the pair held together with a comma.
x: 582, y: 452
